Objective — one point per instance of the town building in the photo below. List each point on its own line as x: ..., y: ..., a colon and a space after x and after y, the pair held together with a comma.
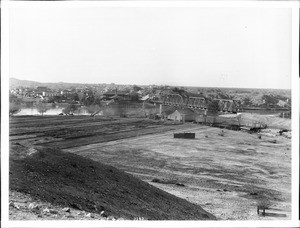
x: 182, y: 115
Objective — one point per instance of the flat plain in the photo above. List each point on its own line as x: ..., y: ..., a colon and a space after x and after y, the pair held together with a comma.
x: 225, y: 172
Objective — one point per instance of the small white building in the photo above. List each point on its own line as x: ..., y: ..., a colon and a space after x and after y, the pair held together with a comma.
x: 182, y: 115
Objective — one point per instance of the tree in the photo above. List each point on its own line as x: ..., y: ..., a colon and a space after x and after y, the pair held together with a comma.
x: 42, y: 108
x: 213, y: 107
x: 97, y: 98
x: 14, y: 109
x: 55, y: 99
x: 247, y: 102
x: 81, y: 97
x: 75, y: 97
x: 93, y: 110
x: 70, y: 109
x: 270, y: 100
x: 89, y: 99
x: 136, y: 88
x: 78, y: 110
x: 29, y: 104
x: 263, y: 204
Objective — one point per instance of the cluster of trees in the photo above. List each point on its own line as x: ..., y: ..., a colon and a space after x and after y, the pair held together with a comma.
x: 90, y: 99
x: 14, y: 108
x: 70, y: 109
x: 224, y: 96
x: 84, y: 98
x: 267, y: 101
x: 213, y: 107
x: 76, y: 109
x: 43, y: 107
x: 273, y: 100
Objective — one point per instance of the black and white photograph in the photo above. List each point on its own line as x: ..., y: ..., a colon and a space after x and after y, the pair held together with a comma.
x: 120, y: 112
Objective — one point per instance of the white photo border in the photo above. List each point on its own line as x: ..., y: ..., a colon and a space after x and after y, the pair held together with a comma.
x: 6, y: 5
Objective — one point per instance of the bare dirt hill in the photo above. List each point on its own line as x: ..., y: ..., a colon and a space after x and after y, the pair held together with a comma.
x: 70, y: 180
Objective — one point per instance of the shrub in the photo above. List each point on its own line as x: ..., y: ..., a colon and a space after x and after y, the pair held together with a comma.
x: 155, y: 180
x: 70, y: 109
x: 263, y: 203
x: 168, y: 181
x: 42, y: 107
x: 14, y: 109
x: 93, y: 108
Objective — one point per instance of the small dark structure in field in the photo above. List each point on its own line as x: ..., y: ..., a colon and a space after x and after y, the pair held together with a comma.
x: 263, y: 204
x: 171, y: 181
x: 287, y: 114
x: 221, y: 133
x: 155, y: 116
x: 283, y: 130
x: 259, y: 137
x: 263, y: 210
x: 251, y: 129
x: 227, y: 126
x: 185, y: 135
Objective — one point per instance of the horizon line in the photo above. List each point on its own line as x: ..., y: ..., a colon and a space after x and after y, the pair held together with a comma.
x: 95, y: 83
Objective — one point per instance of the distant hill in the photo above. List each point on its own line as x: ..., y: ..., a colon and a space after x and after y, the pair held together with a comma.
x: 14, y: 82
x: 70, y: 180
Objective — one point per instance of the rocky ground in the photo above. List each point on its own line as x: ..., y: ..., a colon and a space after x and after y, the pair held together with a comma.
x: 24, y: 207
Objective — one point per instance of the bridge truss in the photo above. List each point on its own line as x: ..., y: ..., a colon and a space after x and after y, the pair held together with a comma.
x: 200, y: 103
x: 188, y: 102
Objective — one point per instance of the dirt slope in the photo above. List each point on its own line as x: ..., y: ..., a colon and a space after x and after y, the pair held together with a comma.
x: 70, y: 180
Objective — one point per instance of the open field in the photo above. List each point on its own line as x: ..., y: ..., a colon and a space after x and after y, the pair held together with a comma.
x: 64, y: 132
x: 225, y: 173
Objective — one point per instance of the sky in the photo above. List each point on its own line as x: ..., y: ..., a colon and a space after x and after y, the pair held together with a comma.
x: 205, y: 47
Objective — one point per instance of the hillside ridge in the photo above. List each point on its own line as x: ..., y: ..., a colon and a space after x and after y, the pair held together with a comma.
x: 73, y: 181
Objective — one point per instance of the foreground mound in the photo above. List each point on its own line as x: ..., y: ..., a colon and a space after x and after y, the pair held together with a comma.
x: 71, y: 180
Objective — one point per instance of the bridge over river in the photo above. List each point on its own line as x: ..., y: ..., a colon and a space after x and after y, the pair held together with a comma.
x: 200, y: 103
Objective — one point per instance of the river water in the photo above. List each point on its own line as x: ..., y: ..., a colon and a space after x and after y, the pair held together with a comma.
x: 52, y: 111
